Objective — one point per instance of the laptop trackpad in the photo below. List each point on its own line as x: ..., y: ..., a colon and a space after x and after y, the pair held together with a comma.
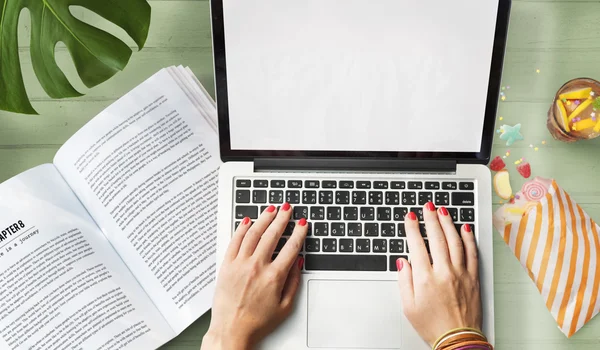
x: 354, y: 314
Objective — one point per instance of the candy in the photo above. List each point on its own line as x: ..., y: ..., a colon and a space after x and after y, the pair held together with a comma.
x: 497, y: 164
x: 576, y: 95
x: 510, y: 134
x: 525, y: 170
x: 533, y: 190
x: 502, y: 184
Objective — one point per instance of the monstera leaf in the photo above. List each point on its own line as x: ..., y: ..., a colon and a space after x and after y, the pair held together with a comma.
x: 97, y: 55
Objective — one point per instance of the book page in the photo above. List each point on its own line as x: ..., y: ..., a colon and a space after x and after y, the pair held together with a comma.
x: 146, y: 169
x: 62, y: 285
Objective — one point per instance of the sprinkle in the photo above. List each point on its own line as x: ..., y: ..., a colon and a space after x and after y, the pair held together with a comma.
x: 593, y: 114
x: 536, y: 149
x: 577, y: 102
x: 574, y: 127
x: 568, y: 103
x: 564, y: 100
x: 501, y: 118
x: 502, y: 94
x: 501, y: 202
x: 503, y: 88
x: 503, y: 98
x: 517, y: 196
x: 504, y: 157
x: 543, y: 142
x: 508, y: 87
x: 530, y: 146
x: 592, y: 93
x: 537, y: 71
x: 517, y: 162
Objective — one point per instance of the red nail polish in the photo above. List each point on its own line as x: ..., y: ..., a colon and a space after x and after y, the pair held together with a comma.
x: 246, y: 221
x: 285, y: 206
x: 271, y: 209
x: 430, y: 206
x: 411, y: 216
x: 467, y: 227
x: 444, y: 211
x: 302, y: 222
x: 399, y: 264
x: 300, y: 263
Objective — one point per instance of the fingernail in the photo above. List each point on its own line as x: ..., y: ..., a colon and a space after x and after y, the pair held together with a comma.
x: 302, y: 222
x: 271, y: 209
x: 444, y: 211
x: 467, y: 227
x: 246, y: 221
x: 430, y: 206
x: 285, y: 206
x: 411, y: 216
x: 300, y: 263
x: 399, y: 264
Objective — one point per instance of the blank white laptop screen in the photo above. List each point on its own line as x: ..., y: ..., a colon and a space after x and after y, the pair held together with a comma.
x: 358, y: 75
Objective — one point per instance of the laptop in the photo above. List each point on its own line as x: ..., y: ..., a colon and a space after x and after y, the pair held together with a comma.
x: 356, y: 112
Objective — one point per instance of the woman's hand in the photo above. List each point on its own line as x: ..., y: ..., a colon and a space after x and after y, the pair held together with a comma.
x: 254, y: 294
x: 443, y: 295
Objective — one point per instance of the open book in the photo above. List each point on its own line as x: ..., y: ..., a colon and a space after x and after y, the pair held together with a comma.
x: 113, y: 245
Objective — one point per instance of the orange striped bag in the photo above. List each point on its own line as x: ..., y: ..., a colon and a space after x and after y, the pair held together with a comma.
x: 558, y: 244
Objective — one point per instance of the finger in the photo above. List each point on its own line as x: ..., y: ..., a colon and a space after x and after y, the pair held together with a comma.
x: 288, y: 254
x: 290, y: 289
x: 435, y: 234
x: 236, y: 239
x: 418, y: 253
x: 455, y: 245
x: 471, y: 255
x: 271, y: 237
x: 256, y: 231
x: 405, y: 281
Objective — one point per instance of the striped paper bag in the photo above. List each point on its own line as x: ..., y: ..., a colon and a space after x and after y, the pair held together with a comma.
x: 558, y: 245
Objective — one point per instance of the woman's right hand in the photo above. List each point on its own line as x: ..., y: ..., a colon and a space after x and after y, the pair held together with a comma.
x: 440, y: 294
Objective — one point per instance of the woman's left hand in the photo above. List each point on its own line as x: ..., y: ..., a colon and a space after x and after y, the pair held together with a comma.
x: 255, y: 294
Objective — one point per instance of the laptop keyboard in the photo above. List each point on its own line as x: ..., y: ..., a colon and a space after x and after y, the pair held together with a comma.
x: 354, y: 225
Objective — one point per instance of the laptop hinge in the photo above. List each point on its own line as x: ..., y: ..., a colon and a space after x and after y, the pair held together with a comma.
x: 355, y: 164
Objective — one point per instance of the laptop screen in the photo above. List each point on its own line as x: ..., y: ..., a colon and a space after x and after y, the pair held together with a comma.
x: 358, y: 75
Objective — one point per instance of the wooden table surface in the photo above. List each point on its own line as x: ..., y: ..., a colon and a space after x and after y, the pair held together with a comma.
x: 561, y: 39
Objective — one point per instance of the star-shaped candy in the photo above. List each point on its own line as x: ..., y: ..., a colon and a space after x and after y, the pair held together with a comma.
x: 510, y: 134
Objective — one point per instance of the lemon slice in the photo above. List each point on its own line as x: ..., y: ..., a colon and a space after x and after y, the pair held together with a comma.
x: 576, y: 95
x: 502, y: 184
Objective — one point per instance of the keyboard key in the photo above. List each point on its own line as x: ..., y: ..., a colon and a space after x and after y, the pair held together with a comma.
x: 354, y: 229
x: 363, y: 184
x: 427, y: 247
x: 261, y: 183
x: 334, y: 213
x: 449, y: 186
x: 388, y: 230
x: 329, y: 184
x: 329, y: 245
x: 292, y: 197
x: 380, y: 185
x: 375, y: 197
x: 311, y: 183
x: 359, y: 197
x: 419, y: 212
x: 289, y: 228
x: 371, y: 230
x: 312, y: 245
x: 401, y: 230
x: 278, y: 183
x: 393, y: 259
x: 442, y: 198
x: 242, y: 183
x: 413, y: 185
x: 263, y: 208
x: 340, y: 262
x: 346, y: 184
x: 384, y: 214
x: 463, y: 198
x: 317, y: 213
x: 280, y: 244
x: 392, y: 198
x: 409, y: 198
x: 379, y: 246
x: 425, y: 197
x: 276, y: 196
x: 367, y: 213
x: 338, y: 229
x: 432, y: 185
x: 350, y: 213
x: 241, y: 211
x: 400, y: 213
x: 342, y: 197
x: 321, y: 229
x: 259, y: 196
x: 346, y: 245
x: 309, y: 197
x: 294, y: 183
x: 242, y: 196
x: 300, y: 212
x: 236, y: 225
x: 466, y: 186
x: 398, y: 185
x: 396, y: 246
x: 423, y: 230
x: 310, y: 229
x: 453, y: 212
x: 363, y: 245
x: 467, y: 215
x: 325, y: 197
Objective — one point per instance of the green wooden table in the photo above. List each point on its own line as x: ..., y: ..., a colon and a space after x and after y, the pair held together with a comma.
x: 561, y: 39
